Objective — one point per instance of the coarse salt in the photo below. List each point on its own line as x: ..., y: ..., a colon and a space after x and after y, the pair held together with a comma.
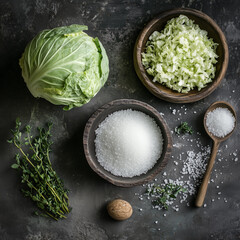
x: 128, y: 143
x: 192, y: 170
x: 220, y: 122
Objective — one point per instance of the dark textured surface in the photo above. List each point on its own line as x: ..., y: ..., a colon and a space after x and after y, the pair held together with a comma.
x: 117, y: 24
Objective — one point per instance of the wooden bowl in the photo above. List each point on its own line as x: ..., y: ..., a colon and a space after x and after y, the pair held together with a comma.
x: 89, y: 145
x: 157, y: 24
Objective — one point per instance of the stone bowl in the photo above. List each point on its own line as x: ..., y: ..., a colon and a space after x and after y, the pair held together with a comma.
x: 89, y: 145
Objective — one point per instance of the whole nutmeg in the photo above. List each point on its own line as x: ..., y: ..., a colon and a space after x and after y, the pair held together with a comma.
x: 119, y: 209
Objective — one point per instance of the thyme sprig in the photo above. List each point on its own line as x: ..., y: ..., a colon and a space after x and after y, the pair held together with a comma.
x: 41, y: 183
x: 163, y: 195
x: 183, y: 128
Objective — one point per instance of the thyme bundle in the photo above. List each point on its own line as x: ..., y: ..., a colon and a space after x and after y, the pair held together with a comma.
x: 41, y: 183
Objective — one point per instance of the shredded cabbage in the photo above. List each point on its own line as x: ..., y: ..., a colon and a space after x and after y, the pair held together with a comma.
x: 181, y: 56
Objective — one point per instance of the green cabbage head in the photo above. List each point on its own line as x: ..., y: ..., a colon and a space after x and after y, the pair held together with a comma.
x: 65, y: 66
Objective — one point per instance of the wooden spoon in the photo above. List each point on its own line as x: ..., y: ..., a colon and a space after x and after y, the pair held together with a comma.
x: 216, y: 142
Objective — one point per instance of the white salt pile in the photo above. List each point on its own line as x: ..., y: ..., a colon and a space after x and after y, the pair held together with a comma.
x: 128, y: 143
x: 220, y: 122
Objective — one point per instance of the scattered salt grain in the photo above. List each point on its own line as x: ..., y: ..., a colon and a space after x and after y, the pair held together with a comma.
x: 128, y: 143
x: 195, y: 164
x: 176, y: 208
x: 220, y: 122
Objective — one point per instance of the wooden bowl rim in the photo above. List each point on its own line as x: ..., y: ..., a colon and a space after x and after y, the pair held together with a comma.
x: 124, y: 181
x: 174, y: 96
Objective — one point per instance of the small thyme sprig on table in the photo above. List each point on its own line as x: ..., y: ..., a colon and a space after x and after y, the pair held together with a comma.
x: 164, y: 194
x: 41, y: 183
x: 183, y: 128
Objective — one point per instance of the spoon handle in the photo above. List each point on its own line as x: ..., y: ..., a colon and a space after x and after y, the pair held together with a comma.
x: 203, y: 189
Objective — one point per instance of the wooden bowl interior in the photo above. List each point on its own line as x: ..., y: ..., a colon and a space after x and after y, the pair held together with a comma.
x: 89, y: 145
x: 158, y: 24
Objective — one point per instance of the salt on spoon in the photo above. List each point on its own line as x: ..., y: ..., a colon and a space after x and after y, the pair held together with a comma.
x: 213, y: 133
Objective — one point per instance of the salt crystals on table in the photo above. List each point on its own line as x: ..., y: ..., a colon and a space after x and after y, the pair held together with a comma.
x: 220, y: 122
x: 128, y: 143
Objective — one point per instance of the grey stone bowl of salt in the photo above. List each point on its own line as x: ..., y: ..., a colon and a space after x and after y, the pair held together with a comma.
x: 117, y: 136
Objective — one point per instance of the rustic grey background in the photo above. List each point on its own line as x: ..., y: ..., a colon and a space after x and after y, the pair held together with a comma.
x: 117, y: 24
